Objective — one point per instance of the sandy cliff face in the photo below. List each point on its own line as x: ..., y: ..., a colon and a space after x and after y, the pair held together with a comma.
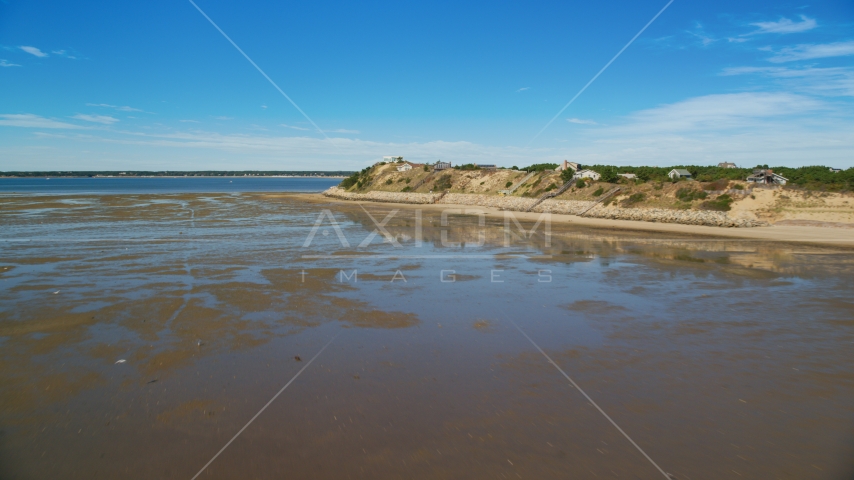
x: 690, y: 202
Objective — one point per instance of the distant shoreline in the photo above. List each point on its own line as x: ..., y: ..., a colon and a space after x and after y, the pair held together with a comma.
x: 173, y: 176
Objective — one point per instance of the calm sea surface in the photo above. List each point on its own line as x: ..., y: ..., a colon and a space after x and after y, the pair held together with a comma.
x: 165, y: 185
x: 139, y: 333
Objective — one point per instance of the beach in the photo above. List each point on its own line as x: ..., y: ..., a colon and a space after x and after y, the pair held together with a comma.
x: 144, y: 333
x: 818, y: 233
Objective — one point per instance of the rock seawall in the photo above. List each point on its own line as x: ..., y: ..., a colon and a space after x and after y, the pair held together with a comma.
x: 567, y: 207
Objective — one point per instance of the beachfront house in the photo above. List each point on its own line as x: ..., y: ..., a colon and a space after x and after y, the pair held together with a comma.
x: 567, y: 166
x: 587, y: 173
x: 627, y: 176
x: 766, y: 176
x: 679, y: 173
x: 835, y: 170
x: 727, y: 165
x: 485, y: 166
x: 392, y: 159
x: 404, y: 167
x: 440, y: 165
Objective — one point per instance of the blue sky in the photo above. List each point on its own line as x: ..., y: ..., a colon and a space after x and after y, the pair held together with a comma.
x: 154, y: 86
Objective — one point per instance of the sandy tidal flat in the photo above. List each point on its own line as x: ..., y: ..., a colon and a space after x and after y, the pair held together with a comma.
x: 140, y: 333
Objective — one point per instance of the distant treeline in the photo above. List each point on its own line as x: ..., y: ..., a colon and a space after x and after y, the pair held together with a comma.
x: 818, y: 176
x: 200, y: 173
x: 809, y: 177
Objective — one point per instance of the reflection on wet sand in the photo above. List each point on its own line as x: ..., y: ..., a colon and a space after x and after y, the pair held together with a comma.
x: 140, y: 332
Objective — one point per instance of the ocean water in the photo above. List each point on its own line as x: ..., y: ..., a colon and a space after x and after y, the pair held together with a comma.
x: 140, y: 333
x: 136, y: 185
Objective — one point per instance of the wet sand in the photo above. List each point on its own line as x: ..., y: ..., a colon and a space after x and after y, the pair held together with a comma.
x: 719, y: 357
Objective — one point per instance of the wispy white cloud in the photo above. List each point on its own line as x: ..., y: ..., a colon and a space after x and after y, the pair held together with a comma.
x: 115, y: 107
x: 189, y: 121
x: 63, y: 53
x: 700, y: 34
x: 580, y: 121
x: 832, y: 81
x: 102, y: 119
x: 28, y: 120
x: 812, y: 51
x: 523, y: 89
x: 785, y: 25
x: 345, y: 131
x: 222, y: 117
x: 264, y: 107
x: 721, y: 112
x: 4, y: 63
x: 294, y: 127
x: 33, y: 51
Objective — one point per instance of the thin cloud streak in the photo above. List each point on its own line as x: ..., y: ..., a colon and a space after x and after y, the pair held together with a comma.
x: 295, y: 128
x: 33, y: 51
x: 813, y: 51
x: 4, y: 63
x: 102, y: 119
x: 831, y: 81
x: 121, y: 109
x: 581, y: 122
x: 784, y: 25
x: 28, y: 120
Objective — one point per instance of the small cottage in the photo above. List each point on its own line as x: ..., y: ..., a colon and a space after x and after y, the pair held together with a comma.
x: 767, y: 177
x: 567, y: 166
x: 679, y: 173
x: 404, y: 167
x: 727, y: 165
x: 586, y: 173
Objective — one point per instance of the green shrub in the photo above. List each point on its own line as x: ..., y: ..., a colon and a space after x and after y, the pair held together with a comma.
x: 599, y: 191
x: 426, y: 168
x: 408, y: 180
x: 442, y: 183
x: 539, y: 167
x: 689, y: 194
x: 721, y: 204
x: 738, y: 186
x: 581, y: 183
x: 633, y: 199
x: 566, y: 175
x: 389, y: 181
x: 467, y: 166
x: 406, y: 189
x: 508, y: 184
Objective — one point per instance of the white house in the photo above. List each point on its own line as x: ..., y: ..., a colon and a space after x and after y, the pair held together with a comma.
x: 440, y: 165
x: 404, y: 167
x: 392, y: 159
x: 727, y: 165
x: 586, y: 173
x: 627, y: 176
x: 567, y: 165
x: 678, y: 173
